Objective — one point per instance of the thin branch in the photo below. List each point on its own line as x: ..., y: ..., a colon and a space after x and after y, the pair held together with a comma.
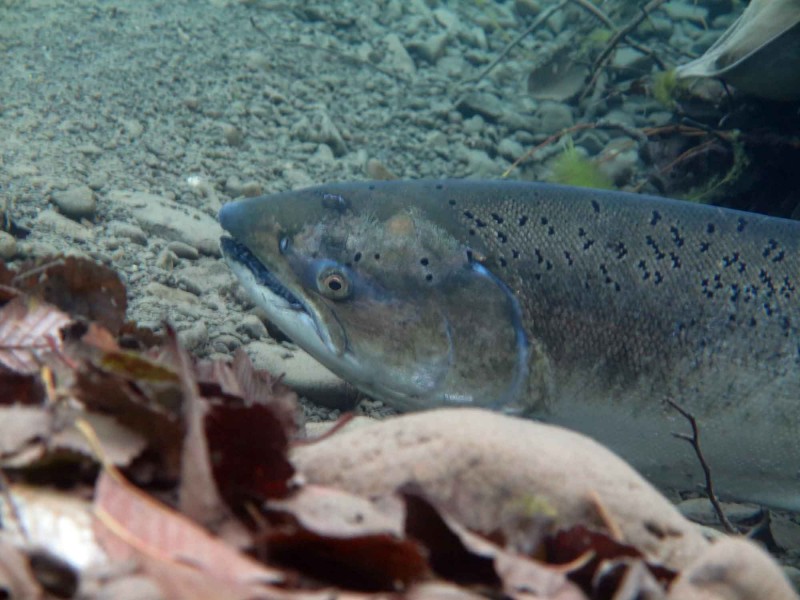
x: 541, y: 18
x: 694, y: 440
x: 615, y: 39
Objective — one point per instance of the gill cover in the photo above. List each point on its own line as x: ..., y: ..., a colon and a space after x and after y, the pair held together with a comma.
x: 415, y: 319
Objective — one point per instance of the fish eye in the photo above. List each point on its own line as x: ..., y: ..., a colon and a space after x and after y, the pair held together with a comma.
x: 333, y: 283
x: 283, y: 244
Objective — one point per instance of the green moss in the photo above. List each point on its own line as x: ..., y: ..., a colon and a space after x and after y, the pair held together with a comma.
x: 572, y: 168
x: 667, y: 87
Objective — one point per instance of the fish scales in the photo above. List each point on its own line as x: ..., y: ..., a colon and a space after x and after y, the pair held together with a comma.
x: 580, y: 307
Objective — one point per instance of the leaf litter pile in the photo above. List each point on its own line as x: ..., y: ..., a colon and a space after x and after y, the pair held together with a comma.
x: 130, y: 470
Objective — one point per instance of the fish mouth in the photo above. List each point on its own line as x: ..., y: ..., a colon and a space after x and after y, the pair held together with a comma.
x: 241, y: 254
x: 292, y: 315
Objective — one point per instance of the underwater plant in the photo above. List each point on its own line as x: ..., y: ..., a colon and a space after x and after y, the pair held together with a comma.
x: 667, y: 87
x: 571, y: 167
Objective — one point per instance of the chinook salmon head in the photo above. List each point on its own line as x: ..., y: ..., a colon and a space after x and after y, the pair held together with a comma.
x: 362, y: 278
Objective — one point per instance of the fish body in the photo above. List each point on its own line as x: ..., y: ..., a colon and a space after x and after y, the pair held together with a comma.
x: 583, y: 308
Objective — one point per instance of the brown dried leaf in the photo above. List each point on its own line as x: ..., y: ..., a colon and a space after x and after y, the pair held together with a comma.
x: 21, y: 426
x: 29, y: 330
x: 16, y: 577
x: 139, y: 393
x: 130, y: 523
x: 569, y: 544
x: 369, y: 562
x: 79, y: 287
x: 239, y: 380
x: 334, y: 513
x: 198, y: 496
x: 249, y: 446
x: 21, y: 389
x: 120, y: 444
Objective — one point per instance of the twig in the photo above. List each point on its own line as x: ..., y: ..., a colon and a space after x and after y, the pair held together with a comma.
x: 349, y: 58
x: 636, y: 134
x: 694, y: 440
x: 615, y: 39
x: 541, y: 18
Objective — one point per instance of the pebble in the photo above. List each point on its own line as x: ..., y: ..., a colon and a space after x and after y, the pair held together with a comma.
x: 131, y: 232
x: 232, y: 134
x: 679, y: 11
x: 700, y: 510
x: 375, y: 169
x: 171, y: 296
x: 253, y: 327
x: 303, y: 374
x: 161, y: 217
x: 485, y: 104
x: 552, y: 117
x: 76, y: 202
x: 527, y: 8
x: 510, y: 149
x: 50, y: 220
x: 397, y: 57
x: 432, y: 48
x: 183, y: 250
x: 8, y: 245
x: 195, y: 336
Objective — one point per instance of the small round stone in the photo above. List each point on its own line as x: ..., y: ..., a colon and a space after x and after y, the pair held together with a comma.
x: 76, y: 202
x: 8, y: 245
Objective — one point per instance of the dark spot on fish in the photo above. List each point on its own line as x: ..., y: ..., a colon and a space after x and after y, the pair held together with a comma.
x: 515, y: 253
x: 523, y: 220
x: 741, y: 223
x: 497, y: 218
x: 502, y: 237
x: 595, y: 206
x: 753, y: 322
x: 551, y: 230
x: 655, y: 218
x: 376, y: 256
x: 468, y: 214
x: 779, y: 256
x: 656, y: 250
x: 334, y: 202
x: 469, y: 256
x: 676, y: 236
x: 548, y: 265
x: 622, y: 251
x: 357, y: 257
x: 543, y: 221
x: 657, y: 277
x: 424, y: 261
x: 503, y: 262
x: 588, y: 244
x: 480, y: 223
x: 569, y: 258
x: 676, y: 261
x: 539, y: 257
x: 704, y: 246
x: 439, y: 186
x: 428, y: 277
x: 472, y: 232
x: 710, y: 228
x: 451, y: 202
x: 581, y: 232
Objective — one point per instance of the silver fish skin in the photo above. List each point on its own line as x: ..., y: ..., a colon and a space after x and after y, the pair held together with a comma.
x: 583, y: 308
